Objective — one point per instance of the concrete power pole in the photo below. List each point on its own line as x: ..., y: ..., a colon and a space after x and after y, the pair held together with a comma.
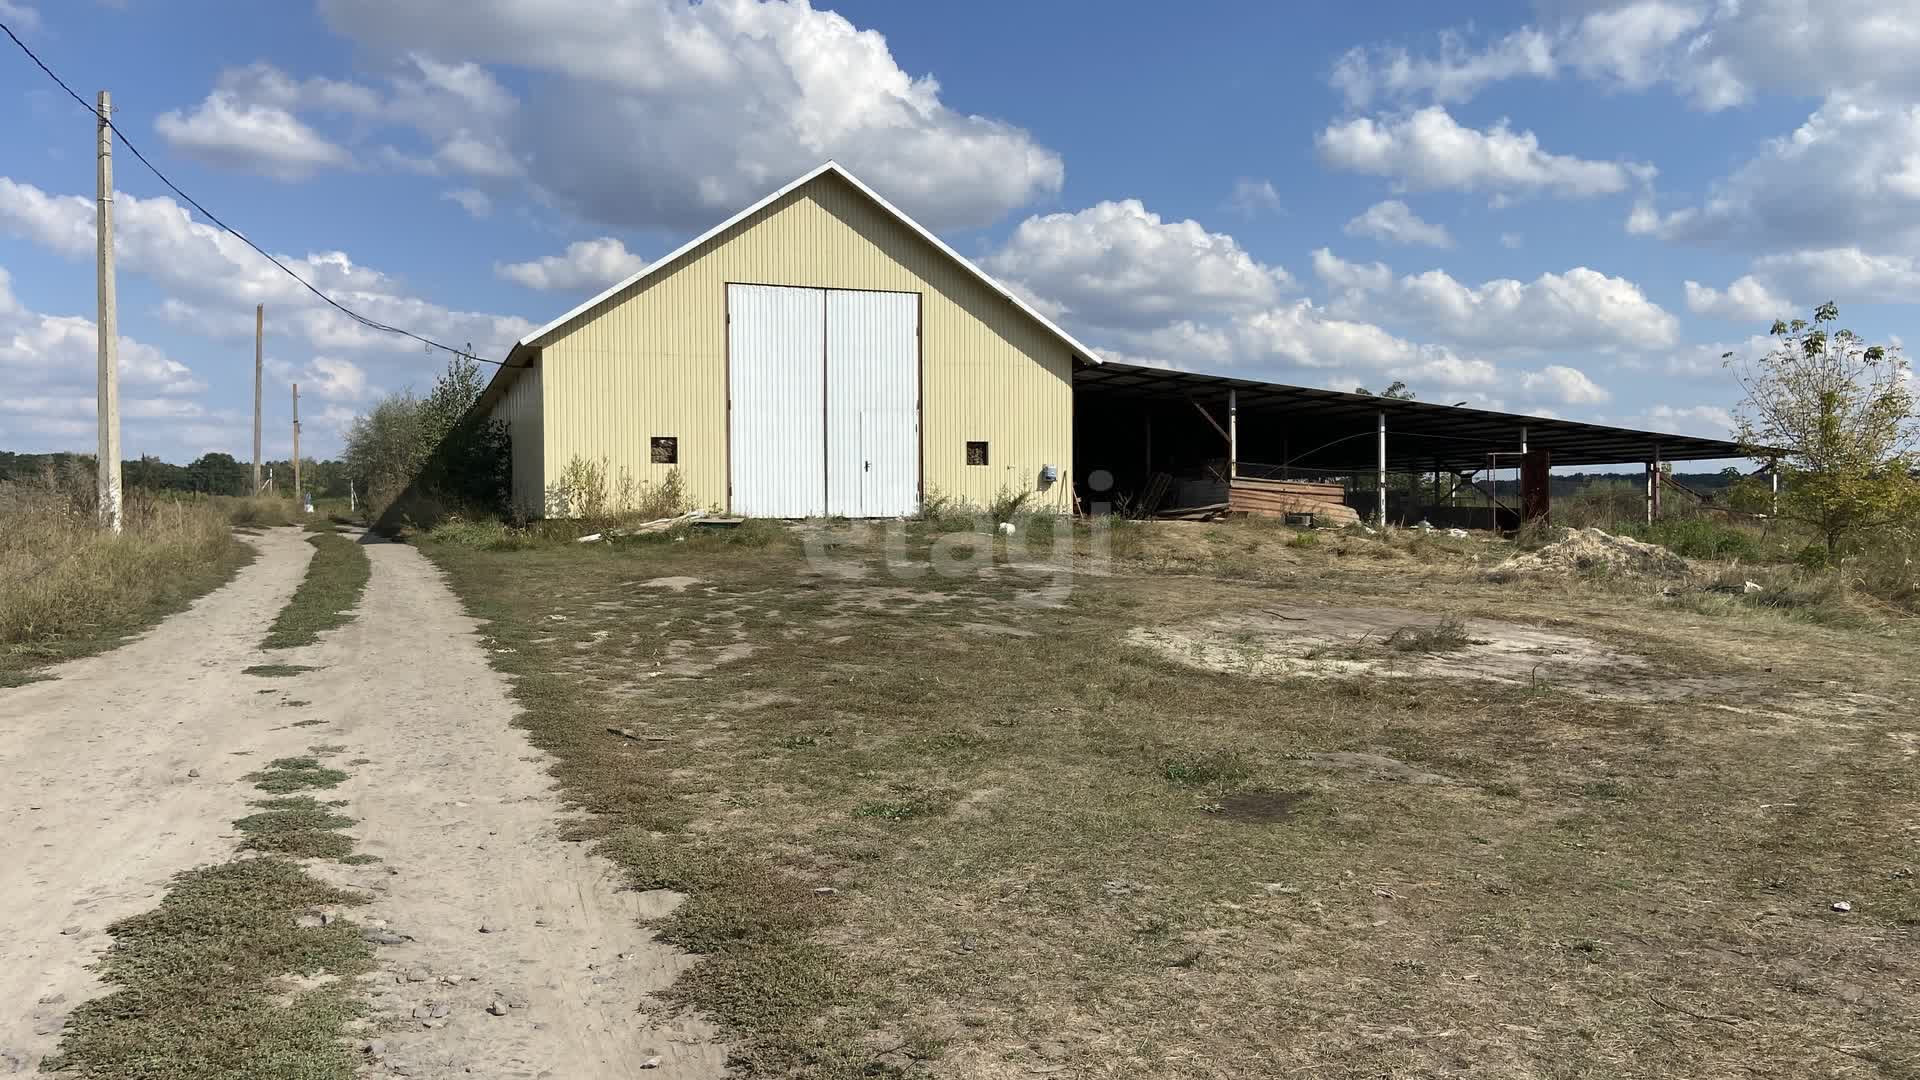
x: 259, y: 331
x: 296, y: 442
x: 108, y: 408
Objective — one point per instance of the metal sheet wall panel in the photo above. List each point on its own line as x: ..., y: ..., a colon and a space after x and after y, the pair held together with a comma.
x: 652, y: 360
x: 873, y: 397
x: 775, y: 345
x: 520, y: 408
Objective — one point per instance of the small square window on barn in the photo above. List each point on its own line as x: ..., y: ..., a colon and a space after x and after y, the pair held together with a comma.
x: 666, y: 450
x: 977, y: 452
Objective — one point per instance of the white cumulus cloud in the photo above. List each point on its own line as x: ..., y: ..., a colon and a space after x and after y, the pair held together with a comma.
x: 1428, y: 150
x: 224, y: 131
x: 1850, y: 175
x: 1456, y: 74
x: 20, y: 15
x: 1745, y: 300
x: 586, y: 264
x: 212, y: 273
x: 1394, y: 222
x: 1254, y: 196
x: 1716, y: 54
x: 329, y: 378
x: 476, y: 203
x: 714, y: 104
x: 1118, y: 264
x: 40, y: 349
x: 1581, y: 307
x: 1566, y: 385
x: 1844, y: 274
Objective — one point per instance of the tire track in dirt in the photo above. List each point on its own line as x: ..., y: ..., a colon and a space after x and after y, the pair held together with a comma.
x: 462, y: 812
x: 119, y: 774
x: 103, y: 808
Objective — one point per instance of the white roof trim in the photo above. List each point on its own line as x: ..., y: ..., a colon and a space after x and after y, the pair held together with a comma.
x: 834, y: 167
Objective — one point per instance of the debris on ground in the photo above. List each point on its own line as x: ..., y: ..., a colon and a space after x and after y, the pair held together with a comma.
x: 1591, y: 551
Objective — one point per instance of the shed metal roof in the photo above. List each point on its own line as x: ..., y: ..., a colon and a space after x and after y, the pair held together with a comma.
x: 1328, y: 429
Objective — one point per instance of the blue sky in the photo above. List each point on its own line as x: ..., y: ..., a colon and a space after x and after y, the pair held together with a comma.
x: 1571, y: 207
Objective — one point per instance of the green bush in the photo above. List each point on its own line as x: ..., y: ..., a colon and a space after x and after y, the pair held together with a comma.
x: 1700, y: 538
x: 422, y: 458
x: 587, y: 491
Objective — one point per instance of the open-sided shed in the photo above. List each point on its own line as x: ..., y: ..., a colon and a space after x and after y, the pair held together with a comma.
x: 1133, y: 424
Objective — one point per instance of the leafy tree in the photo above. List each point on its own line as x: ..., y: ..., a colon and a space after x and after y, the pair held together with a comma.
x: 432, y: 448
x: 1839, y: 415
x: 218, y: 474
x: 1397, y: 391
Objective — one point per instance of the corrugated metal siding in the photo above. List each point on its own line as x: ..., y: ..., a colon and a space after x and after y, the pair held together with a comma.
x: 873, y: 387
x: 653, y: 361
x: 520, y: 408
x: 776, y: 338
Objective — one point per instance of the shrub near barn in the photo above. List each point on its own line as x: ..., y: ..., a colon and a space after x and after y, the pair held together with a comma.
x: 420, y: 459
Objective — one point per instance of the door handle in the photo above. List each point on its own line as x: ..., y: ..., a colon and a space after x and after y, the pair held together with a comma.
x: 866, y: 466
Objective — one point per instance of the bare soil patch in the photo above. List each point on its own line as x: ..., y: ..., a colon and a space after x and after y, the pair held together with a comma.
x: 1289, y: 641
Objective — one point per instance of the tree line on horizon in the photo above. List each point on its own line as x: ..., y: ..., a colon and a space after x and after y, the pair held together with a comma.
x: 209, y: 474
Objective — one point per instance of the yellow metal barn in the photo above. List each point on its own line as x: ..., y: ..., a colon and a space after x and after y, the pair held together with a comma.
x: 820, y: 353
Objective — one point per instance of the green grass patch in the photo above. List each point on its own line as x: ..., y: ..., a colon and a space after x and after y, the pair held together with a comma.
x: 300, y: 827
x: 1211, y: 768
x: 198, y: 993
x: 289, y: 774
x: 277, y: 671
x: 336, y: 577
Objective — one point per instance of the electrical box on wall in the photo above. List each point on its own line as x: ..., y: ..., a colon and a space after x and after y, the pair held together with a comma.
x: 1049, y: 474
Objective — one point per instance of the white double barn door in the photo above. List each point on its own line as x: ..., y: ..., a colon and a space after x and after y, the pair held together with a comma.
x: 824, y: 401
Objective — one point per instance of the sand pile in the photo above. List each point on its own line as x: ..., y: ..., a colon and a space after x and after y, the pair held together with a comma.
x: 1594, y: 551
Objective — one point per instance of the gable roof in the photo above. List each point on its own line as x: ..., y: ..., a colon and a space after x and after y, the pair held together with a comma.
x: 680, y: 253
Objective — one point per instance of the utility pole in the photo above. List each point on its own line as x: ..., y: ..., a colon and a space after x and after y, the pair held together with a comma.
x: 108, y: 406
x: 259, y: 332
x: 296, y: 442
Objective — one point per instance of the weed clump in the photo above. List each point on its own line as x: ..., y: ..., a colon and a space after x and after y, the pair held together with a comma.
x: 1205, y: 769
x: 277, y: 671
x: 286, y: 775
x: 299, y: 827
x: 197, y: 978
x: 1447, y: 635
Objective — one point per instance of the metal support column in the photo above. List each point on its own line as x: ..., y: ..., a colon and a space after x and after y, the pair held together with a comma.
x: 1520, y: 475
x: 1233, y: 435
x: 1650, y: 489
x: 1773, y: 507
x: 1381, y: 512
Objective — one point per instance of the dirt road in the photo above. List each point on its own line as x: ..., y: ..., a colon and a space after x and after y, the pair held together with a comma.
x: 126, y: 769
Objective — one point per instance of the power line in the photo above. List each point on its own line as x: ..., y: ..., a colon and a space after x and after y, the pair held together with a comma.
x: 371, y: 324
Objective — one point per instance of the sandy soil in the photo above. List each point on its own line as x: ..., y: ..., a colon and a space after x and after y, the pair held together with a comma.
x: 101, y: 806
x: 453, y: 799
x: 1313, y: 640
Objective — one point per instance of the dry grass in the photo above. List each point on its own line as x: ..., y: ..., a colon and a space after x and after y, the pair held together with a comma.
x: 1046, y: 847
x: 69, y: 588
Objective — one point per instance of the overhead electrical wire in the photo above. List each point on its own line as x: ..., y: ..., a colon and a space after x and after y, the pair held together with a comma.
x: 369, y: 323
